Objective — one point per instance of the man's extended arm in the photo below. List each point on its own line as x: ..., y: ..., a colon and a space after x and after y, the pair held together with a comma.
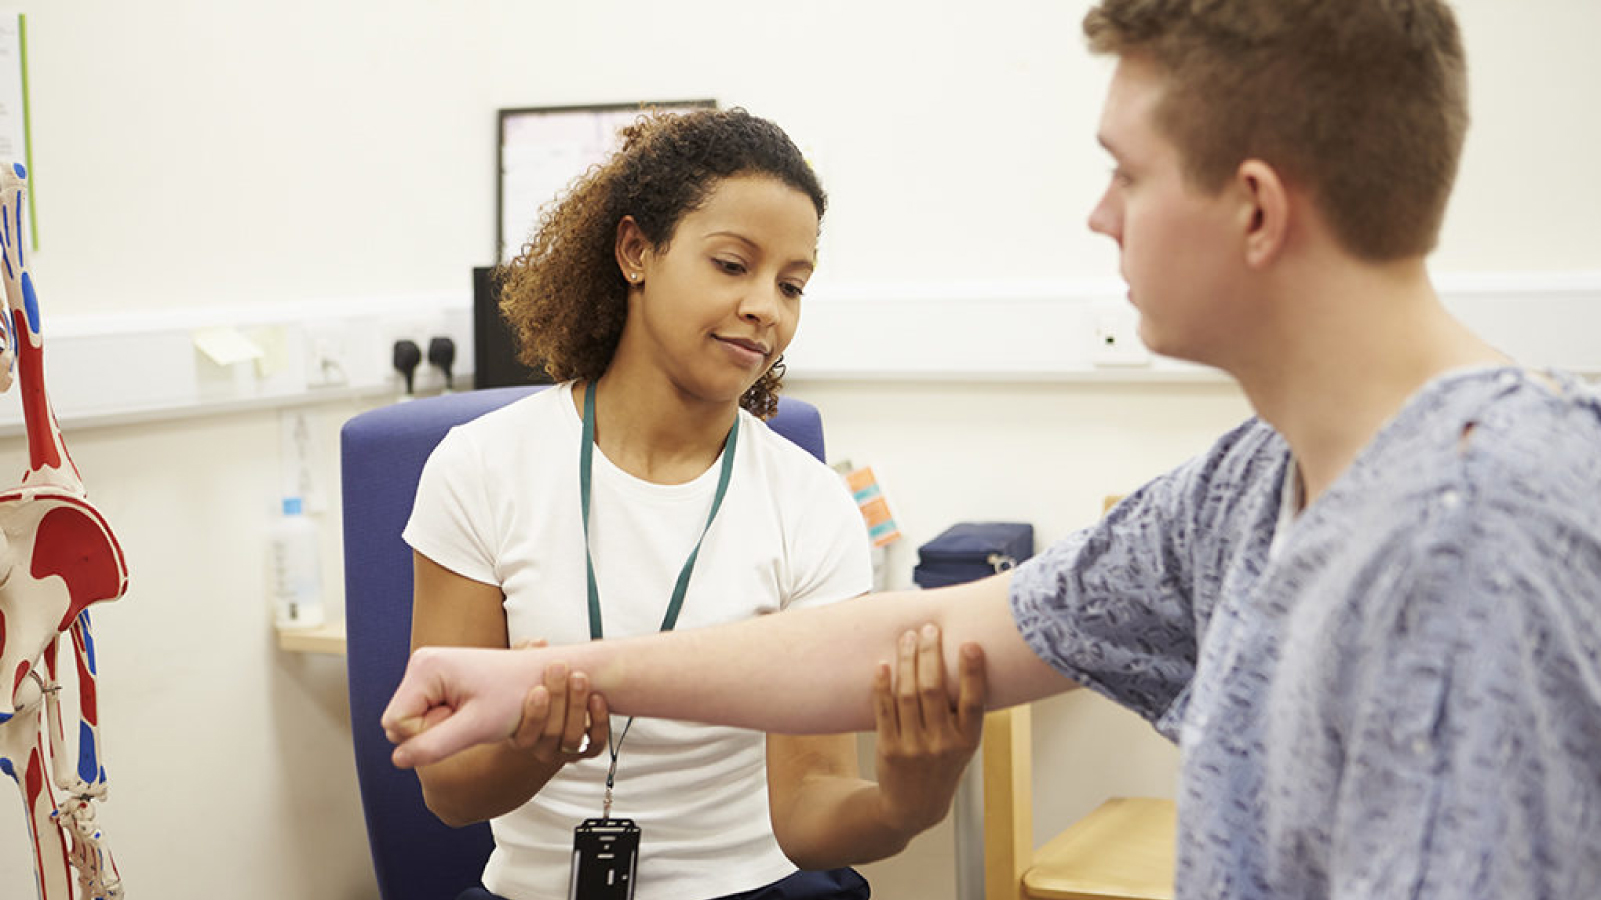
x: 801, y: 672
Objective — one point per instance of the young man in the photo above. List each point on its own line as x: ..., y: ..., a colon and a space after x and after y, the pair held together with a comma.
x: 1371, y: 617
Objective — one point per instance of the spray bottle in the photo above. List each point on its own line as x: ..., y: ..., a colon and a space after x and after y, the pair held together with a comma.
x: 296, y: 569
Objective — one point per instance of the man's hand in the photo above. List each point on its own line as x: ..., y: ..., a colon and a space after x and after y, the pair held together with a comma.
x: 452, y: 698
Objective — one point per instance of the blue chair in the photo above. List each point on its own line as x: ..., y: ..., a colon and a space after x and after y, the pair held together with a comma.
x: 382, y: 452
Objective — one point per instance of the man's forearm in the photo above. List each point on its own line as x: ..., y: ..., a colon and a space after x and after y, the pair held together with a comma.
x: 811, y: 671
x: 801, y: 672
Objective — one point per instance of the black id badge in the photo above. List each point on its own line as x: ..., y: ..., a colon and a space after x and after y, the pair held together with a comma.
x: 605, y: 852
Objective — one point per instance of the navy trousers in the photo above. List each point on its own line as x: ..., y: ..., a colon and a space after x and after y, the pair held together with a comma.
x: 833, y: 884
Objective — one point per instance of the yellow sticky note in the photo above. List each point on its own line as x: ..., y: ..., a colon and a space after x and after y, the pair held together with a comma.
x: 226, y: 346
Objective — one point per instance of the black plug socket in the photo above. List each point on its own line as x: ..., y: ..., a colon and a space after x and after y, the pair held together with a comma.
x: 442, y: 353
x: 407, y: 357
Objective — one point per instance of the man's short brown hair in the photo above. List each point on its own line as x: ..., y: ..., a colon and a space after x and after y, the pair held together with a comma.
x: 1361, y: 102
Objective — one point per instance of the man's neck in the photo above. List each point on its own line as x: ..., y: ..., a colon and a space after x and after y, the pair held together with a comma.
x: 1339, y: 360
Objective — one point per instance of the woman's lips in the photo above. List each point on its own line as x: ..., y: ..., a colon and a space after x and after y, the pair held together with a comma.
x: 746, y: 350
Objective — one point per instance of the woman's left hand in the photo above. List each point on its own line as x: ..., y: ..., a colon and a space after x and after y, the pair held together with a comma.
x: 562, y: 721
x: 924, y: 743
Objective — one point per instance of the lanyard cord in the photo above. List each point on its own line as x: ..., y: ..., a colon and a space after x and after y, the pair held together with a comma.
x: 586, y: 456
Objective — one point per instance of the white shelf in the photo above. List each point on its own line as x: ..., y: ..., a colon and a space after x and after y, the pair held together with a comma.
x: 327, y: 638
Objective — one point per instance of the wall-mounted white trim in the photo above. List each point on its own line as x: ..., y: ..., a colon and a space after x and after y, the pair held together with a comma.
x: 1464, y: 284
x: 115, y: 369
x: 136, y: 415
x: 1049, y: 331
x: 304, y: 311
x: 118, y: 369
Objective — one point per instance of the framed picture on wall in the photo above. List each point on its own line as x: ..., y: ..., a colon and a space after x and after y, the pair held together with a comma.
x: 542, y: 149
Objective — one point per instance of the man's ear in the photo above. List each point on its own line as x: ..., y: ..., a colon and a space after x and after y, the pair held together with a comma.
x: 633, y: 249
x: 1268, y: 209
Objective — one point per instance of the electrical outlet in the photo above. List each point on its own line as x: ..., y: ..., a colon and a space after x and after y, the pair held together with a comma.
x: 414, y: 326
x: 1117, y: 339
x: 420, y: 325
x: 327, y: 357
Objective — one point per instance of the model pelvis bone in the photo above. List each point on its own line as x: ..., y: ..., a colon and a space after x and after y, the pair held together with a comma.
x: 57, y: 557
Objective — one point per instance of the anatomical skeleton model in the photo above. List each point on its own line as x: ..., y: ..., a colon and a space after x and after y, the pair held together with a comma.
x: 57, y: 556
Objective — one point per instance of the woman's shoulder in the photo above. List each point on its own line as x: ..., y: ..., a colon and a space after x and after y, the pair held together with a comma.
x: 519, y: 427
x: 778, y: 452
x: 796, y: 483
x: 544, y: 406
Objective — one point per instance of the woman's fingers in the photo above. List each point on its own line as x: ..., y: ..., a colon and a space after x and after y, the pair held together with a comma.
x: 536, y: 707
x: 599, y: 727
x: 556, y: 721
x: 970, y: 692
x: 934, y: 701
x: 884, y: 714
x: 907, y: 706
x: 572, y: 734
x: 562, y: 719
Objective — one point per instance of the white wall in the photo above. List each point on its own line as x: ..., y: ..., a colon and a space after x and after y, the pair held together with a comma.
x: 193, y: 153
x: 198, y: 152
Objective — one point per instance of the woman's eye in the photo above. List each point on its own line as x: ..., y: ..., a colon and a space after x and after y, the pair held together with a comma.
x: 731, y: 266
x: 792, y: 291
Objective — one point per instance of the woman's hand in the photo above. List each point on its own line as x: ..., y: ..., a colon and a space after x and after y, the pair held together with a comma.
x: 923, y: 743
x: 562, y: 721
x: 452, y: 698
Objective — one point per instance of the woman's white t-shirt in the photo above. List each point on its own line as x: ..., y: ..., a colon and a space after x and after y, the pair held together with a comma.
x: 498, y: 503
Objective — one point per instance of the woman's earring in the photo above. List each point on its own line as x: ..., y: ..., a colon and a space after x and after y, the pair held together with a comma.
x: 634, y: 277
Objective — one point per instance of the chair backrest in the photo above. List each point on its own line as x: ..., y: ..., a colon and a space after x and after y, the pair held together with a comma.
x: 415, y: 856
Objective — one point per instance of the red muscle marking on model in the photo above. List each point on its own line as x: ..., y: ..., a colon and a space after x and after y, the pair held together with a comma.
x: 72, y: 544
x: 49, y: 657
x: 88, y: 708
x: 44, y: 452
x: 22, y: 672
x: 34, y: 779
x: 32, y: 786
x: 33, y: 783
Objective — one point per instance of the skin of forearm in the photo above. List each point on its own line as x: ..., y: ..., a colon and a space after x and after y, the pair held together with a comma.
x: 797, y: 672
x: 838, y: 821
x: 809, y: 671
x: 483, y: 782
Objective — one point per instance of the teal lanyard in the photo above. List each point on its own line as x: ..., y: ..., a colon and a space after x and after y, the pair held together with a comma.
x: 586, y: 458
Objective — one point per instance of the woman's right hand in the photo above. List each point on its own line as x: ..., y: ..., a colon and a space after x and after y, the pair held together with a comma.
x: 562, y: 720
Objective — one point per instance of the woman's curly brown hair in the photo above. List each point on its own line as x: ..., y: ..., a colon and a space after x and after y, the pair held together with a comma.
x: 563, y: 294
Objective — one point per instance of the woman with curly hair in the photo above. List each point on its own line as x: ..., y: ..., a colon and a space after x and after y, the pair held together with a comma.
x: 660, y: 291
